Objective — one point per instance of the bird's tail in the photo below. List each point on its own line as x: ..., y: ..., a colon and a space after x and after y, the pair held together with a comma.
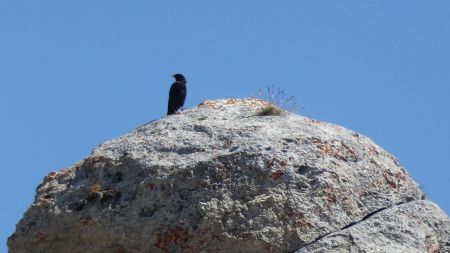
x: 170, y: 110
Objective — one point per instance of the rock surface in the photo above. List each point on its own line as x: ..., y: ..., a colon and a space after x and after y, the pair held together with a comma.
x: 218, y: 178
x: 413, y: 227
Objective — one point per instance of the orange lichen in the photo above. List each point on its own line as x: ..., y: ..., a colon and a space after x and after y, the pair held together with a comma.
x: 302, y: 224
x: 336, y: 149
x: 231, y: 102
x: 121, y: 250
x: 96, y: 187
x: 96, y: 159
x: 390, y: 181
x: 277, y: 174
x: 180, y: 237
x: 400, y: 176
x: 40, y: 237
x: 85, y: 221
x: 373, y: 150
x: 51, y: 174
x: 331, y: 197
x: 223, y: 171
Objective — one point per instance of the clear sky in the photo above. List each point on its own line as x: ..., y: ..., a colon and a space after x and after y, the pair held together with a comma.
x: 76, y: 73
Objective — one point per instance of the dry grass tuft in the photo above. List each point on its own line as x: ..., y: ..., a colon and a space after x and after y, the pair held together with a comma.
x: 270, y: 110
x: 279, y: 100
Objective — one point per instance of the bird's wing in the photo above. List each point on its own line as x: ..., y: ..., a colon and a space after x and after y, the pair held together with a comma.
x: 172, y: 90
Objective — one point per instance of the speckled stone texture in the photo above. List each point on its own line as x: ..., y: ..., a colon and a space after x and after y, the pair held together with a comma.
x: 413, y: 227
x: 218, y: 178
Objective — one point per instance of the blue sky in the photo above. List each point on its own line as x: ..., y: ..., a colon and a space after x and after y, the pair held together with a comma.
x: 77, y: 73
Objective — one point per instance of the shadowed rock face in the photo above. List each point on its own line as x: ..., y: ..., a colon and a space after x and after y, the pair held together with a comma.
x: 217, y: 178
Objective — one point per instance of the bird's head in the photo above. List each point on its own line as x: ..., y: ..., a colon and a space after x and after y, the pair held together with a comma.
x: 179, y: 78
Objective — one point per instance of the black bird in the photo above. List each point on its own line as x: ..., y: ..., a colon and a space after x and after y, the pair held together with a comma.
x: 177, y: 94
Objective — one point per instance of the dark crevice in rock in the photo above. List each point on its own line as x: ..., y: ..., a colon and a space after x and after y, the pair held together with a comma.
x: 370, y: 215
x: 355, y: 223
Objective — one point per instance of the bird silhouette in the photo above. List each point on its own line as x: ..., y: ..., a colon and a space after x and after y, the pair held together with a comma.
x: 177, y: 94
